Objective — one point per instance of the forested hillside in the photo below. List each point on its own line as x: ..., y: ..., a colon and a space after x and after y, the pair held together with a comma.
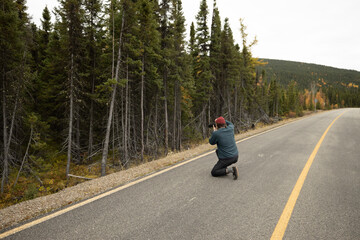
x: 110, y: 84
x: 305, y: 73
x: 320, y: 86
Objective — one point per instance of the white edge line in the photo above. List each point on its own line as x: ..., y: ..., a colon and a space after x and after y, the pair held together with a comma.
x: 102, y: 195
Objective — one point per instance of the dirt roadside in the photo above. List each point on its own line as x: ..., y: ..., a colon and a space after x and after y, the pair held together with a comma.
x: 26, y: 210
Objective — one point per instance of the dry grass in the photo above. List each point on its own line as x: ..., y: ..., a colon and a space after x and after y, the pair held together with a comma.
x: 29, y: 209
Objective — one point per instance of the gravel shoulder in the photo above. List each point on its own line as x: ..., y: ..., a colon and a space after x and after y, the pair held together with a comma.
x: 26, y: 210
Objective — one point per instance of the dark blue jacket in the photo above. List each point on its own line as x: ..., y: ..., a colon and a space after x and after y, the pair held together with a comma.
x: 225, y: 140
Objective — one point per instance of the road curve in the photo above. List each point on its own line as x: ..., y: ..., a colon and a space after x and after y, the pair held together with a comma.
x: 185, y: 202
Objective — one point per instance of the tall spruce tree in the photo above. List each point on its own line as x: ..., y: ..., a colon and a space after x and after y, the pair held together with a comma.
x: 149, y: 38
x: 93, y: 34
x: 132, y: 65
x: 248, y: 82
x: 215, y: 62
x: 115, y: 83
x: 192, y: 41
x: 71, y: 29
x: 45, y: 30
x: 40, y: 55
x: 203, y: 75
x: 166, y: 52
x: 229, y: 65
x: 10, y: 62
x: 193, y: 51
x: 273, y: 98
x: 181, y: 72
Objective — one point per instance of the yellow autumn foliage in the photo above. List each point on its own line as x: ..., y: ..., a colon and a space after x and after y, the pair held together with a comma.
x: 353, y: 85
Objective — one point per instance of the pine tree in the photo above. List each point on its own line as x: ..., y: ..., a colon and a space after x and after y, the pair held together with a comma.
x: 132, y: 65
x: 166, y: 52
x: 149, y: 47
x: 229, y: 67
x: 192, y: 41
x: 44, y: 34
x: 248, y: 73
x: 181, y: 74
x: 216, y: 62
x: 41, y: 38
x: 71, y: 29
x: 10, y: 60
x: 93, y: 34
x: 203, y: 76
x: 292, y: 96
x: 273, y: 98
x: 115, y: 83
x: 192, y: 49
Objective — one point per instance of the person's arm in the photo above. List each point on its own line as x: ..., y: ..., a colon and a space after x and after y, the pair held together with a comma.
x: 212, y: 139
x: 229, y: 123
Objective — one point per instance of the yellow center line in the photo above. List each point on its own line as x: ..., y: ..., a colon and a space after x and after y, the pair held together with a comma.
x: 77, y: 205
x: 289, y: 207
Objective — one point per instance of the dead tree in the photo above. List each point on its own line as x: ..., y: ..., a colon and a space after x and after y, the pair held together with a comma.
x: 112, y: 103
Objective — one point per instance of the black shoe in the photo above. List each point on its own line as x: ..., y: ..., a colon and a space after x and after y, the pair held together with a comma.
x: 235, y: 173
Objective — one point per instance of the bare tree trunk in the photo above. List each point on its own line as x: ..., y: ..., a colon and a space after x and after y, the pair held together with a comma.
x: 148, y: 132
x: 78, y: 147
x: 91, y: 138
x: 142, y: 107
x: 112, y: 74
x: 113, y: 43
x: 203, y: 122
x: 25, y: 156
x: 218, y: 104
x: 179, y: 131
x: 174, y: 117
x: 113, y: 133
x: 5, y: 158
x: 135, y: 137
x: 112, y: 103
x: 229, y: 104
x: 9, y: 138
x: 156, y: 125
x: 178, y: 96
x: 70, y: 117
x: 166, y: 132
x: 12, y: 123
x: 121, y: 148
x: 35, y: 175
x: 209, y: 113
x: 241, y: 110
x: 126, y: 133
x: 129, y: 137
x: 177, y: 117
x: 235, y: 103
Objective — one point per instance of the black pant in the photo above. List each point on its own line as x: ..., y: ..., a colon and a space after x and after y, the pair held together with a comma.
x: 220, y: 167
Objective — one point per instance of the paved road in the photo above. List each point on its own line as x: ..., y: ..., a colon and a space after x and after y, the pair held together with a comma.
x: 187, y: 203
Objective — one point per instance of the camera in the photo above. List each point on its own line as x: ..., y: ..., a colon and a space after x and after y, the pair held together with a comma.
x: 212, y: 125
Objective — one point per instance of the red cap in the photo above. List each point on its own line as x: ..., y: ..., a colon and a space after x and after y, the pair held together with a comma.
x: 220, y: 120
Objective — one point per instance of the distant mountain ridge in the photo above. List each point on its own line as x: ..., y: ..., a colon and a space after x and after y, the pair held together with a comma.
x: 304, y: 73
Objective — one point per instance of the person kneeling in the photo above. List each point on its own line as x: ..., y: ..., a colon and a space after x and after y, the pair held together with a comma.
x: 227, y: 152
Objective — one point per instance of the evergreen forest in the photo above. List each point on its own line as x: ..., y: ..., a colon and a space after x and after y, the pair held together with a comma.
x: 109, y: 84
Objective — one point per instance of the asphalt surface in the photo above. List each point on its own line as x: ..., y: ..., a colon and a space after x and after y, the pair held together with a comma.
x: 188, y: 203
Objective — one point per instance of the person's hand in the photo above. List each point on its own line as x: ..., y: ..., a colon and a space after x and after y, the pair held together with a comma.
x: 214, y: 128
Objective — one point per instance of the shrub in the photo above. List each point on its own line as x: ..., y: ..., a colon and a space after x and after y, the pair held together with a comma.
x: 31, y: 192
